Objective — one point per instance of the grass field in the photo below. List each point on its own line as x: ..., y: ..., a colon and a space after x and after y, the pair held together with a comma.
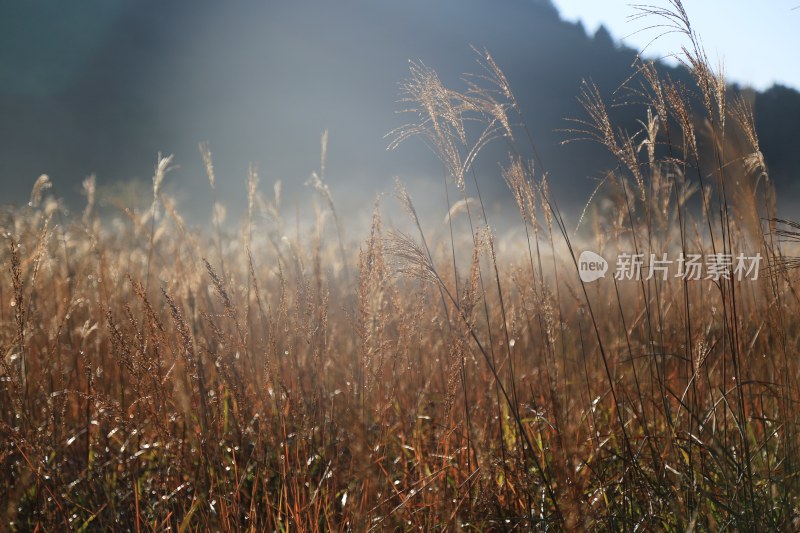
x: 426, y: 377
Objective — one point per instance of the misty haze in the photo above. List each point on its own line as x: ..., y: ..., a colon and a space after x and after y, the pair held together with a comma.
x: 103, y: 87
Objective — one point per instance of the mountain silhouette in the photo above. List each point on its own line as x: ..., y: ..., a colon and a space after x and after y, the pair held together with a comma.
x: 101, y: 87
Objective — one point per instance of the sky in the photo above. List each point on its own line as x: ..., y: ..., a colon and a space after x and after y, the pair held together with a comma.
x: 757, y: 41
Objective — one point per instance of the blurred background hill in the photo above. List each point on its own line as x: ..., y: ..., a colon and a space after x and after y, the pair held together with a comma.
x: 100, y: 87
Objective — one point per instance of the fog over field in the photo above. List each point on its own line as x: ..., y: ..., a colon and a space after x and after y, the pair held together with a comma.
x: 102, y: 87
